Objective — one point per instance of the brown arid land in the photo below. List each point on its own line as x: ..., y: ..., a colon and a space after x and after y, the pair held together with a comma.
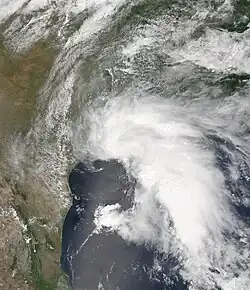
x: 29, y: 245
